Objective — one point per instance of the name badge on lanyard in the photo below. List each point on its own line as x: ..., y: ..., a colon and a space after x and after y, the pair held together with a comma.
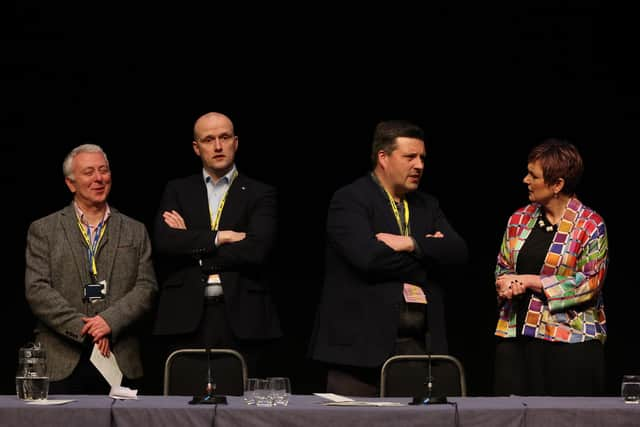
x: 94, y: 291
x: 414, y: 294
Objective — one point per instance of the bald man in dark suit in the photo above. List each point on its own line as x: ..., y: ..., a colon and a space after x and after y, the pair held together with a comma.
x: 216, y: 231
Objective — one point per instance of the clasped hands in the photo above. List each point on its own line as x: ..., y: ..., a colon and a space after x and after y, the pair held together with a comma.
x: 510, y: 285
x: 99, y: 330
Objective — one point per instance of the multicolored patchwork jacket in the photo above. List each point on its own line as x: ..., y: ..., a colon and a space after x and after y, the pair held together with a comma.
x: 571, y: 309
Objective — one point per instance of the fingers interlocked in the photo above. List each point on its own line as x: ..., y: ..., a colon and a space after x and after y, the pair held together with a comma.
x: 507, y: 287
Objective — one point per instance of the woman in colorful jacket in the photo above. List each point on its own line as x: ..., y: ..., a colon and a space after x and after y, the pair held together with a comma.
x: 549, y: 276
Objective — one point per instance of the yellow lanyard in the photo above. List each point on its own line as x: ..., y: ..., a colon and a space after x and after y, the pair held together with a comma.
x: 215, y: 221
x: 403, y: 230
x: 92, y: 248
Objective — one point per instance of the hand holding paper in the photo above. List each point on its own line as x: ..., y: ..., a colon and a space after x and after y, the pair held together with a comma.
x: 107, y: 366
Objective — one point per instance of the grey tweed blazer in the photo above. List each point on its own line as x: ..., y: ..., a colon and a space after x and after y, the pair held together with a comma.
x: 57, y: 269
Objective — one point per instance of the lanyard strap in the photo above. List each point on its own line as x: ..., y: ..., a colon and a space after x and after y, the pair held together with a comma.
x: 215, y: 221
x: 92, y: 247
x: 406, y: 229
x: 403, y: 230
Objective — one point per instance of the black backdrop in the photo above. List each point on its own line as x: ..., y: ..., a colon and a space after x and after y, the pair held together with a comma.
x: 305, y: 88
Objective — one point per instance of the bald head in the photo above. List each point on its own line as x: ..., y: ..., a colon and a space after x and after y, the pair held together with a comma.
x: 209, y: 121
x: 215, y: 142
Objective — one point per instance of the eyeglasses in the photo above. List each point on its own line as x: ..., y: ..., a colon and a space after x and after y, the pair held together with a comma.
x: 223, y: 139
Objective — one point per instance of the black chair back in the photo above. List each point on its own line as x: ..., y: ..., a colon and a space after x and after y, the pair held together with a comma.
x: 407, y: 375
x: 186, y: 372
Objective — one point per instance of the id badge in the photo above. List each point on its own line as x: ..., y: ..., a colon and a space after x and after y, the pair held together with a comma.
x: 94, y: 291
x: 413, y: 293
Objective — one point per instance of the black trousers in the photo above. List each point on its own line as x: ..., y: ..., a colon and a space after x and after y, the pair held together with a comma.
x: 365, y: 381
x: 527, y: 366
x: 214, y: 331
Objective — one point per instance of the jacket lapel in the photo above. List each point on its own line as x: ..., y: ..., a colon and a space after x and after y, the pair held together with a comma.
x: 76, y: 242
x: 390, y: 224
x: 108, y: 245
x: 196, y: 195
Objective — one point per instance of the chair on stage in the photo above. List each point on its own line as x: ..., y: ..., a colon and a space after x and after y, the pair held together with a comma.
x: 407, y: 375
x: 186, y: 372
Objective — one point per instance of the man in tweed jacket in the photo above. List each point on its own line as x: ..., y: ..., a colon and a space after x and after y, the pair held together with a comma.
x: 89, y: 278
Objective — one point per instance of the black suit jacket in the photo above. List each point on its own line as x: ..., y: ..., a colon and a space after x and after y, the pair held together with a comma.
x: 358, y: 315
x: 250, y: 207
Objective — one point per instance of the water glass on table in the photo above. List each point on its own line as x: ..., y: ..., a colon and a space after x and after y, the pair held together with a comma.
x: 249, y: 391
x: 262, y: 393
x: 630, y: 389
x: 32, y: 382
x: 280, y: 389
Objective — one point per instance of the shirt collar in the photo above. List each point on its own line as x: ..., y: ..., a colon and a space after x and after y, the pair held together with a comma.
x: 81, y: 215
x: 225, y: 179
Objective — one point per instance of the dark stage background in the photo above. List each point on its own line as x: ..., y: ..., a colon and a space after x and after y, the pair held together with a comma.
x: 305, y: 88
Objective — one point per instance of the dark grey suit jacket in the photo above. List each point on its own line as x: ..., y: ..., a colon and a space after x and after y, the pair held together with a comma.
x: 56, y: 271
x: 357, y: 319
x: 250, y: 207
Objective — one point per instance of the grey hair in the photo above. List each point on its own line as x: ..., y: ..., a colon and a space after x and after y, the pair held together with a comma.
x: 84, y: 148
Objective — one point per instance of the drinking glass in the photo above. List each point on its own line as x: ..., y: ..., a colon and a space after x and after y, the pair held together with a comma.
x: 32, y: 382
x: 280, y: 389
x: 249, y: 391
x: 630, y: 388
x: 262, y: 393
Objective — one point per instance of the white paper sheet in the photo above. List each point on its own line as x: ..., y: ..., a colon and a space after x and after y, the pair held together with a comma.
x: 363, y: 403
x: 338, y: 400
x: 334, y: 397
x: 107, y: 366
x: 46, y: 402
x: 123, y: 393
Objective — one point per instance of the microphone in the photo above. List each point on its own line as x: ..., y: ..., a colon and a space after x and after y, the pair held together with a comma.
x: 429, y: 383
x: 429, y: 399
x: 209, y: 398
x: 434, y: 400
x: 210, y: 386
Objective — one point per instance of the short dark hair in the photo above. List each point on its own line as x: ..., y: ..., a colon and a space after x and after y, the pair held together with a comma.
x: 384, y: 137
x: 559, y: 159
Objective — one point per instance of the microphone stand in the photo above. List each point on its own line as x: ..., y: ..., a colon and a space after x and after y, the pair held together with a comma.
x: 210, y: 385
x: 429, y: 377
x: 434, y: 400
x: 209, y: 398
x: 430, y: 399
